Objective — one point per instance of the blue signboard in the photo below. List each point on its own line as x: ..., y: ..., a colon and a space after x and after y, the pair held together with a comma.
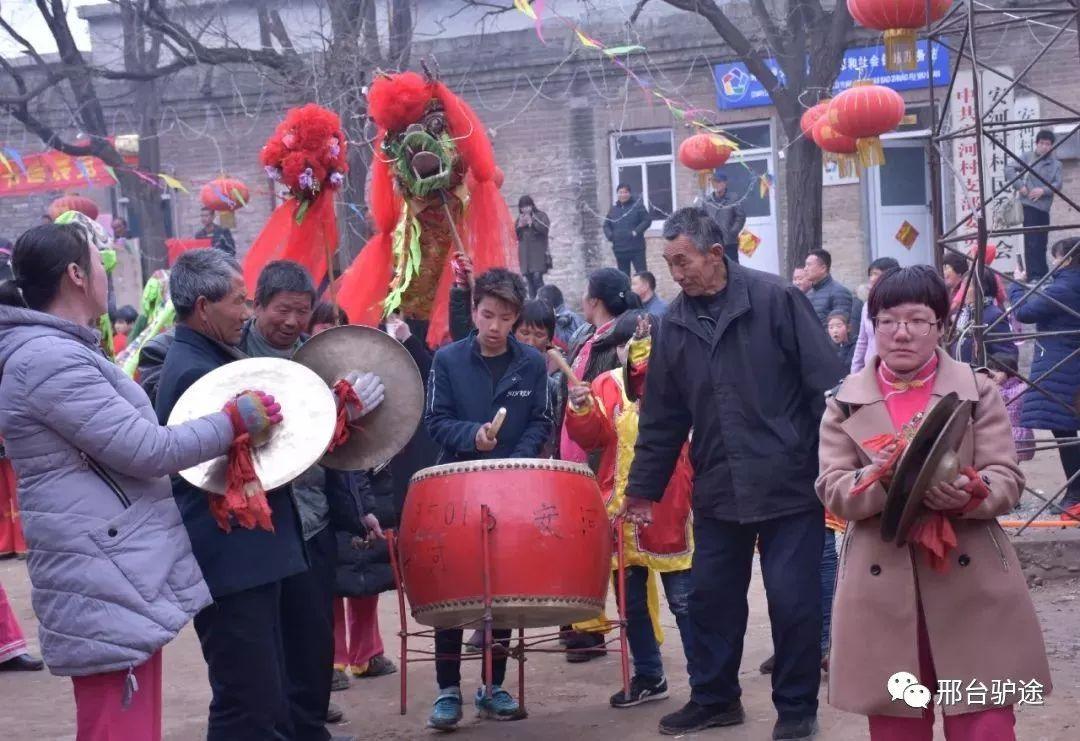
x: 737, y: 88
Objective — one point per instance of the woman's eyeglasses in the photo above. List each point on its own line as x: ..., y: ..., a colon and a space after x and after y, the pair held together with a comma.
x: 914, y: 327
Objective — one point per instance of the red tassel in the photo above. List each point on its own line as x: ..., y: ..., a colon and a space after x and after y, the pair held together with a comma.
x: 935, y: 535
x: 345, y: 394
x: 245, y: 498
x: 874, y: 445
x: 315, y: 237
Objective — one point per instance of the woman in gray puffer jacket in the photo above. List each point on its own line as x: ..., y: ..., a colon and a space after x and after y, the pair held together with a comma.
x: 110, y: 562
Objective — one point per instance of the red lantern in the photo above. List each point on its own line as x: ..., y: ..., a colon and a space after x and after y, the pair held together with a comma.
x: 225, y: 195
x: 811, y: 116
x: 82, y: 204
x: 705, y: 151
x: 866, y: 111
x: 837, y: 147
x: 900, y: 20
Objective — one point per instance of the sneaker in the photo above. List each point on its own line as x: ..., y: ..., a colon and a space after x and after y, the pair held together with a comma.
x: 500, y: 706
x: 694, y: 717
x: 334, y: 714
x: 475, y: 644
x: 582, y: 647
x: 446, y: 712
x: 642, y: 689
x: 767, y: 665
x: 793, y: 730
x: 377, y: 666
x: 340, y: 681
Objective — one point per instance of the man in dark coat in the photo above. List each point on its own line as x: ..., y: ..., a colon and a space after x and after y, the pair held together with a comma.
x: 727, y: 212
x: 826, y: 295
x: 220, y: 237
x: 625, y: 227
x: 532, y: 228
x: 744, y: 362
x: 240, y: 632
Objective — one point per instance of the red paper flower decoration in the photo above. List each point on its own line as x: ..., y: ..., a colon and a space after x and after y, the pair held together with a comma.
x: 307, y: 152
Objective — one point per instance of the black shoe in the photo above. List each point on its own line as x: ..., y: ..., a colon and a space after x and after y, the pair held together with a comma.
x: 767, y: 665
x: 334, y: 714
x: 340, y: 681
x: 582, y: 647
x: 642, y: 689
x: 793, y: 730
x: 694, y: 717
x: 22, y: 663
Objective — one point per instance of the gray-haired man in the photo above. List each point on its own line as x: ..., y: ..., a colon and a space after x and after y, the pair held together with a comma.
x: 240, y: 632
x: 743, y: 361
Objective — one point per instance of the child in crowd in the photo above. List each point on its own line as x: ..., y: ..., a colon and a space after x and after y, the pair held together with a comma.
x: 123, y: 320
x: 603, y: 419
x: 838, y: 333
x: 1003, y: 370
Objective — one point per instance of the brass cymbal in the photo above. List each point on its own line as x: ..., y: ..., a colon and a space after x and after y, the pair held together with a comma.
x: 335, y: 353
x: 308, y: 408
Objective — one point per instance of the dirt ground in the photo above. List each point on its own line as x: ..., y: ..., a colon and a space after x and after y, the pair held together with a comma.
x: 564, y: 701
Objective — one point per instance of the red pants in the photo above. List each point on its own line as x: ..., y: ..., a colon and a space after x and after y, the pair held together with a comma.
x: 359, y: 616
x: 993, y: 724
x: 99, y: 705
x: 12, y: 643
x: 11, y: 534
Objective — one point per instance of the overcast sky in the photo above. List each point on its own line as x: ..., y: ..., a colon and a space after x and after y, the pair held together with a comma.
x: 24, y: 17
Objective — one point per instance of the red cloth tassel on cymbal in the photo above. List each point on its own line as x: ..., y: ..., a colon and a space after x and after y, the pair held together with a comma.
x: 345, y: 394
x: 934, y: 533
x: 875, y: 444
x: 244, y: 499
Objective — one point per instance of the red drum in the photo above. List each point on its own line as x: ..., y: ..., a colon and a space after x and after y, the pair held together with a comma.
x: 549, y: 543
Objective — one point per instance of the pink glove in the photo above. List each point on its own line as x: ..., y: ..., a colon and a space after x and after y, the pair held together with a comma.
x: 253, y: 413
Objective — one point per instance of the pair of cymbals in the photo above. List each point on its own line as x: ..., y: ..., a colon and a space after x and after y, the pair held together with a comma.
x: 302, y: 387
x: 930, y: 458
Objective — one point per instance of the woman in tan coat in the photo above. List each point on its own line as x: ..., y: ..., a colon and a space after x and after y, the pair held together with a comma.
x: 960, y: 621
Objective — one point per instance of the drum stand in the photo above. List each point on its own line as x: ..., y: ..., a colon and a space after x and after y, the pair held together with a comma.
x: 522, y: 647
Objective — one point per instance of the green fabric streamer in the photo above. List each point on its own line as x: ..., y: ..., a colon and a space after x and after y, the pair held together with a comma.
x: 406, y: 242
x: 162, y: 319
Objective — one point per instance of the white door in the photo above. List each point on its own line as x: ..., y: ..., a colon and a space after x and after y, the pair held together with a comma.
x: 744, y: 182
x: 899, y: 195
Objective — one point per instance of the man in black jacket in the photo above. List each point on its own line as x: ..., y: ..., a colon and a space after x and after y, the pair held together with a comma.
x: 742, y: 360
x: 470, y: 381
x: 728, y: 213
x: 625, y: 227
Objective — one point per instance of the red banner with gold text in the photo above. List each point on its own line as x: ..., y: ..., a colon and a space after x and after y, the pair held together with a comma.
x: 38, y: 173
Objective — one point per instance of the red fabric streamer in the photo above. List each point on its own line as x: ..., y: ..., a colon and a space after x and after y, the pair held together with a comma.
x: 364, y: 286
x: 876, y: 444
x: 307, y: 243
x: 245, y: 498
x: 934, y: 533
x: 345, y: 395
x: 1071, y: 513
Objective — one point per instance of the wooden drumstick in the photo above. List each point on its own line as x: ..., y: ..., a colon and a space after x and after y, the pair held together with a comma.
x: 560, y: 361
x: 497, y: 423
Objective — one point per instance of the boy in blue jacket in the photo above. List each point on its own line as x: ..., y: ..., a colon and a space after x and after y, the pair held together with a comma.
x: 470, y: 381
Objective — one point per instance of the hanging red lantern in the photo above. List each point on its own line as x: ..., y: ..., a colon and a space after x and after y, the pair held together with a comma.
x: 900, y: 20
x: 703, y: 152
x: 837, y: 147
x: 74, y: 202
x: 810, y: 117
x: 866, y: 111
x: 225, y: 195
